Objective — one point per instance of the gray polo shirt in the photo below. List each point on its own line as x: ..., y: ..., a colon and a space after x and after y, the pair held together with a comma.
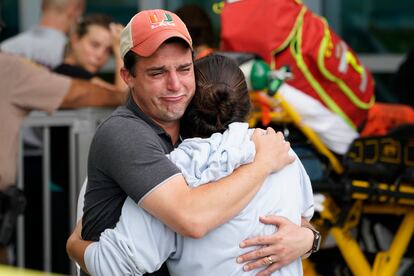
x: 127, y: 157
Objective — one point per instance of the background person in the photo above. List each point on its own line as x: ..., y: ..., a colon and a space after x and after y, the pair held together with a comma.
x: 45, y: 42
x: 27, y: 86
x: 93, y: 40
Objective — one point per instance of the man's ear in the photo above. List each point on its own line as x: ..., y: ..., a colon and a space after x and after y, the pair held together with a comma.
x: 127, y: 77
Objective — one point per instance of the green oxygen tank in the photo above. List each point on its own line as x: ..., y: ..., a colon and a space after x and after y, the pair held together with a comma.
x: 263, y: 78
x: 259, y: 75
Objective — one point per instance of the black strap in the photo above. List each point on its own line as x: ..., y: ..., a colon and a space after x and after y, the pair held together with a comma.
x: 12, y: 204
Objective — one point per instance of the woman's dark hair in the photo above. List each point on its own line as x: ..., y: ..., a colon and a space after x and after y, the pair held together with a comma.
x: 82, y: 27
x: 221, y: 97
x: 84, y: 22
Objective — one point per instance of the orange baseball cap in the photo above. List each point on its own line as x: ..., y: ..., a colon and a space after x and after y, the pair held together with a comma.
x: 148, y: 29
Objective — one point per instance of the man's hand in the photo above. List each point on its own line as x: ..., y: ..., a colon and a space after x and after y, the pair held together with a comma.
x: 287, y: 244
x: 271, y: 149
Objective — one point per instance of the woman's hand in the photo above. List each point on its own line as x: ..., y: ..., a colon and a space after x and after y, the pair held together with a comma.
x: 116, y: 29
x: 287, y: 244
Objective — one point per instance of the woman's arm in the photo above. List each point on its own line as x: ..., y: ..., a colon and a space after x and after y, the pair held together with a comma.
x: 107, y: 85
x: 84, y: 93
x: 287, y: 244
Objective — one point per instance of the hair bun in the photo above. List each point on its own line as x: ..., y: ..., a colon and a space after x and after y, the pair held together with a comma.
x: 221, y: 97
x: 213, y: 98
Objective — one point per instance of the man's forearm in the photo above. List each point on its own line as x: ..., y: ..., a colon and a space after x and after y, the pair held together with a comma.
x: 198, y: 210
x: 229, y: 195
x: 75, y: 246
x: 76, y: 249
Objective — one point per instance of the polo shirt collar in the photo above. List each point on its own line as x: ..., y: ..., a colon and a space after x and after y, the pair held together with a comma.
x: 131, y: 105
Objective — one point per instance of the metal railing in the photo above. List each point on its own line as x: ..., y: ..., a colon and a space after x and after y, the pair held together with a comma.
x: 81, y: 124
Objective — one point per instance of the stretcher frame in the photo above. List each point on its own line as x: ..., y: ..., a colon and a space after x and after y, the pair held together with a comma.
x: 387, y: 262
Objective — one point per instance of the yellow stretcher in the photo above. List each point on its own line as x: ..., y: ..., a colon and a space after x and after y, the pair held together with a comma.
x: 338, y: 221
x: 17, y: 271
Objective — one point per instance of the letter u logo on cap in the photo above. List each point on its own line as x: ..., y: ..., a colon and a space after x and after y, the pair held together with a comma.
x: 166, y: 20
x: 154, y: 18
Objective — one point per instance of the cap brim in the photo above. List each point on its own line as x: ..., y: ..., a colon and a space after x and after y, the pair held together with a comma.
x: 149, y: 46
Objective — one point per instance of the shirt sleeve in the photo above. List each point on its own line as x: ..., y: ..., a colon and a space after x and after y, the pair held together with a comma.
x: 36, y: 88
x: 131, y: 154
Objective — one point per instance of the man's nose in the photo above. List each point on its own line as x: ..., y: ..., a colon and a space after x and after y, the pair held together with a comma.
x: 173, y: 82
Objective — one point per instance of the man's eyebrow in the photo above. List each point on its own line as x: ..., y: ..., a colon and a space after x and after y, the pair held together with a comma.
x: 162, y: 67
x: 185, y: 65
x: 157, y: 68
